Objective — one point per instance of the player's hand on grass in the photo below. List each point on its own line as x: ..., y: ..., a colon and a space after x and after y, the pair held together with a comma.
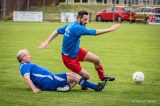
x: 43, y: 45
x: 115, y: 27
x: 36, y: 90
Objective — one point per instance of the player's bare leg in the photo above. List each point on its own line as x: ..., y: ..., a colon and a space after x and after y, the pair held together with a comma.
x: 86, y: 76
x: 90, y: 57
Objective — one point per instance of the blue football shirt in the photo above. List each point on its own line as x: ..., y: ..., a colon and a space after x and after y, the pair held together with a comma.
x: 42, y: 78
x: 71, y: 37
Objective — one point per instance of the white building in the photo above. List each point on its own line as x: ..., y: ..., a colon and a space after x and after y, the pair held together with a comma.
x: 132, y: 2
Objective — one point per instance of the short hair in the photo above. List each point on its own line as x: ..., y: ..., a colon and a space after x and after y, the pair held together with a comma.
x: 20, y: 54
x: 81, y: 14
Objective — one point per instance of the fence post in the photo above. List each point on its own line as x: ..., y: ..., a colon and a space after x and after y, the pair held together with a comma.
x: 90, y: 17
x: 44, y: 5
x: 113, y: 9
x: 28, y: 5
x: 4, y: 10
x: 18, y: 5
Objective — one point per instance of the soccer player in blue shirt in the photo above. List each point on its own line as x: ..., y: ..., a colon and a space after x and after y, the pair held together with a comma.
x: 39, y: 78
x: 72, y: 54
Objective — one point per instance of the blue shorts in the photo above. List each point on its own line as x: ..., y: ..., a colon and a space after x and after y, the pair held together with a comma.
x: 55, y: 81
x: 60, y: 80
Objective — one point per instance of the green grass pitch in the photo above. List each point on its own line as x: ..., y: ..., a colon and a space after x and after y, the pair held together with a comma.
x: 134, y: 47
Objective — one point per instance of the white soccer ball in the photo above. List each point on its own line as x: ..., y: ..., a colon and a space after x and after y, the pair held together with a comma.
x: 138, y: 77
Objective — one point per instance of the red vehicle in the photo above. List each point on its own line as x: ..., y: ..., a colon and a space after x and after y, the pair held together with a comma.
x: 117, y: 13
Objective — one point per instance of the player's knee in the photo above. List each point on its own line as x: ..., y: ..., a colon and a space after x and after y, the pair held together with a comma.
x: 86, y: 76
x: 72, y: 77
x: 83, y: 73
x: 96, y: 60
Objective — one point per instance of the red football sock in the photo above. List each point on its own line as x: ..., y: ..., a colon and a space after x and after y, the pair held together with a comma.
x: 101, y: 73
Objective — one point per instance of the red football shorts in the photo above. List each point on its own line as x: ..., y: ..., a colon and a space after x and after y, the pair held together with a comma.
x: 73, y: 63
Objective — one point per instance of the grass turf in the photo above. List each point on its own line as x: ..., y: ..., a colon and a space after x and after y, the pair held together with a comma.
x: 134, y: 47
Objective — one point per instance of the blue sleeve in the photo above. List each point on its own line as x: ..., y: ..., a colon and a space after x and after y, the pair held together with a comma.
x: 25, y: 69
x: 87, y: 31
x: 61, y: 30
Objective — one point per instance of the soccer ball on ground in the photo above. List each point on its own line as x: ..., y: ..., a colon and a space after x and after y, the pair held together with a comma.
x: 138, y: 77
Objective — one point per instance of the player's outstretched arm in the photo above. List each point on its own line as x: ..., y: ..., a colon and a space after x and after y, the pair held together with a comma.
x: 31, y: 85
x: 102, y: 31
x: 49, y: 39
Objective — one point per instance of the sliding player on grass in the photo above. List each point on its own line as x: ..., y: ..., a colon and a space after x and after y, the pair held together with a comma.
x: 39, y: 78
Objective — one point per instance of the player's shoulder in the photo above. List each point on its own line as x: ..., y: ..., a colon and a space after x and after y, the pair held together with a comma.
x: 78, y: 26
x: 22, y: 65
